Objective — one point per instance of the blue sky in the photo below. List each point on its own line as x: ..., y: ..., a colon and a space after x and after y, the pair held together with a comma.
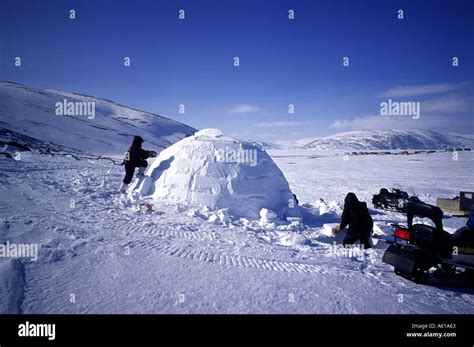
x: 282, y: 61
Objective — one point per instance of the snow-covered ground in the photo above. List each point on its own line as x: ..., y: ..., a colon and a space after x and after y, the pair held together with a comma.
x: 102, y: 253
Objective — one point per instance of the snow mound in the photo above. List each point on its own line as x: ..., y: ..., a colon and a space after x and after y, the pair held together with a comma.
x: 292, y: 239
x: 208, y: 133
x: 11, y: 286
x: 212, y: 170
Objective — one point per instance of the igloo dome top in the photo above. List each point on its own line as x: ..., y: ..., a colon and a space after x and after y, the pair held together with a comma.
x: 209, y: 169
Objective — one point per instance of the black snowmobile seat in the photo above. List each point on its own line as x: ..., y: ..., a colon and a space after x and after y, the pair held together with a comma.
x: 464, y: 238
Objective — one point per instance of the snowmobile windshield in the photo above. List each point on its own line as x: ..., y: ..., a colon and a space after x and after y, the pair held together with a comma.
x: 410, y: 190
x: 422, y: 210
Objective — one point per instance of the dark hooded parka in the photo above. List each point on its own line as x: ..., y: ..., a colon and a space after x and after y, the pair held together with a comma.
x: 356, y: 215
x: 135, y: 157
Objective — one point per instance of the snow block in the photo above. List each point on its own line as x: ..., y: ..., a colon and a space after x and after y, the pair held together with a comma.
x: 145, y: 185
x: 212, y: 170
x: 267, y: 216
x: 328, y: 229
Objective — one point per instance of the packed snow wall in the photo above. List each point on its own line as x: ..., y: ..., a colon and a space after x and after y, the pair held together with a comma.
x: 209, y: 169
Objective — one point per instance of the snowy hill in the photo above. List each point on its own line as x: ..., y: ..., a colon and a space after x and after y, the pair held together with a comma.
x: 390, y: 140
x: 107, y: 130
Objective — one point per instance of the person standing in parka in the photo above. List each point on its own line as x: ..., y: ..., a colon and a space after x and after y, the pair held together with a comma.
x: 357, y: 216
x: 135, y: 157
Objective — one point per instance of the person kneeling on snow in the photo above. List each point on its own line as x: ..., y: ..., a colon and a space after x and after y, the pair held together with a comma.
x: 357, y: 216
x: 135, y: 157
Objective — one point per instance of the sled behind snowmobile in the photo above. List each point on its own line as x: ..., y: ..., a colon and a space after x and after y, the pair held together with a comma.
x: 393, y: 199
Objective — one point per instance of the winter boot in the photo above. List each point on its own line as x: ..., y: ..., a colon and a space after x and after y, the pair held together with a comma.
x: 123, y: 187
x: 141, y: 171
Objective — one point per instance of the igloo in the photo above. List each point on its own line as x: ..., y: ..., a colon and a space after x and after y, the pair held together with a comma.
x: 219, y: 172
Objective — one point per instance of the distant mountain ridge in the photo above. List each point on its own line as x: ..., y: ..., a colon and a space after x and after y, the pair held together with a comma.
x: 391, y: 140
x: 264, y: 145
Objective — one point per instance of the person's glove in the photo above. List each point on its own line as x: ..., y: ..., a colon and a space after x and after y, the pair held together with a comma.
x: 152, y: 154
x: 336, y: 229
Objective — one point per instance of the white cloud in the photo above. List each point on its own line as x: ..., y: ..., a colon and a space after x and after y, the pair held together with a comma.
x: 279, y: 124
x: 365, y: 122
x: 245, y: 108
x: 448, y: 103
x: 423, y: 89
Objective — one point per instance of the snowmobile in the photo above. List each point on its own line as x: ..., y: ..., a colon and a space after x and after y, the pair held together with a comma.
x: 421, y: 252
x: 393, y: 199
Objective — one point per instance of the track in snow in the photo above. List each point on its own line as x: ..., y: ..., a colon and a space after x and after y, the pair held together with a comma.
x: 231, y: 259
x: 154, y: 231
x: 249, y: 262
